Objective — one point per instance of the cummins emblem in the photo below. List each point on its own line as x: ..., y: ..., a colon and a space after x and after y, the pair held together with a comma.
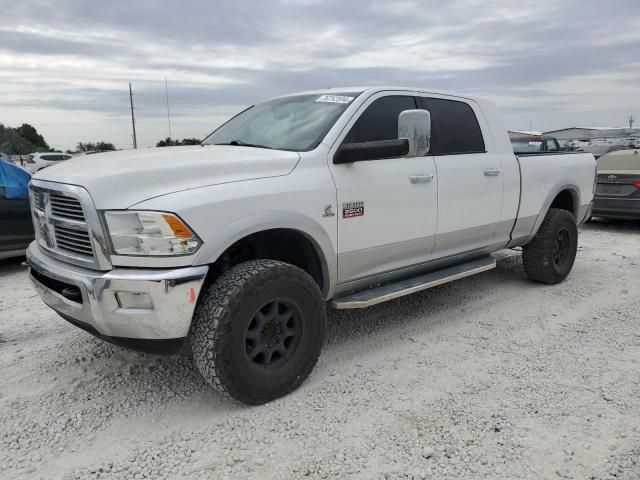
x: 328, y: 211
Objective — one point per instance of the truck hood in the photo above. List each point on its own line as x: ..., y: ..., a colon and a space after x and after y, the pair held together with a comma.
x: 121, y: 179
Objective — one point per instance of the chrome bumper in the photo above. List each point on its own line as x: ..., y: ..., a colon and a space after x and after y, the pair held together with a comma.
x: 127, y: 303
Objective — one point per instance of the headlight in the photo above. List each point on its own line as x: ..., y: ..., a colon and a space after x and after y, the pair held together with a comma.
x: 150, y: 233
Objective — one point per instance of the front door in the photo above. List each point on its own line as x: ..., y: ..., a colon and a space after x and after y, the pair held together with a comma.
x: 386, y: 208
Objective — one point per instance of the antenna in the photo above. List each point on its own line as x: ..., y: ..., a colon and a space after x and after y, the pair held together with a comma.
x: 133, y: 118
x: 166, y: 91
x: 632, y: 119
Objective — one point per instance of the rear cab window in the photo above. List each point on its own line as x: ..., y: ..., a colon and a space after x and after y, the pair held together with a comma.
x: 454, y: 127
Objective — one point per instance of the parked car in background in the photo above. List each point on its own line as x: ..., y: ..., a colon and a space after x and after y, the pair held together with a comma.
x: 37, y: 161
x: 16, y: 226
x: 598, y: 149
x: 534, y: 144
x: 618, y: 190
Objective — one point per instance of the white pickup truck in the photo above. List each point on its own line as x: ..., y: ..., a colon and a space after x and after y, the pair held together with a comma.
x: 353, y: 196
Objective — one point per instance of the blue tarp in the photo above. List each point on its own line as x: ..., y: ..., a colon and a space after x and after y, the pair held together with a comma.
x: 14, y: 180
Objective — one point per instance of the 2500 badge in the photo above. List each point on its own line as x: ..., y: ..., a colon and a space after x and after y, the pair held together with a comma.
x: 352, y: 209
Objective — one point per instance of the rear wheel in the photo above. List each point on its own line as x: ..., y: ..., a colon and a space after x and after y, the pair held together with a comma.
x: 549, y: 257
x: 259, y: 330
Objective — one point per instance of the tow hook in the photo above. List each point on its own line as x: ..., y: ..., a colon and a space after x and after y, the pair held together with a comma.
x: 72, y: 293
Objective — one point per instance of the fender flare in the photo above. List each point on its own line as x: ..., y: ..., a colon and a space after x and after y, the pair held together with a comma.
x: 218, y: 243
x: 575, y: 193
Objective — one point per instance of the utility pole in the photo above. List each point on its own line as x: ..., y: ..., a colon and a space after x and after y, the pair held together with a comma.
x: 632, y: 119
x: 166, y: 91
x: 133, y: 118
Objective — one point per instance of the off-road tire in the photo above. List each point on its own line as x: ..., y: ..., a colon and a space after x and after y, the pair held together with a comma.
x: 226, y: 311
x: 539, y: 255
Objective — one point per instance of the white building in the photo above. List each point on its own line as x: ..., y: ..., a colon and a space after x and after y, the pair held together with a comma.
x: 586, y: 133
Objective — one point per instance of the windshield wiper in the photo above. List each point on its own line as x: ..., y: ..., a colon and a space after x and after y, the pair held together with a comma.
x: 240, y: 143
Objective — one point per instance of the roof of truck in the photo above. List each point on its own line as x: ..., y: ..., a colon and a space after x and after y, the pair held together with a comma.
x: 376, y: 88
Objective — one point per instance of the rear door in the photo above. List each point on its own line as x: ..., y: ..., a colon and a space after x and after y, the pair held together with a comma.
x: 470, y: 180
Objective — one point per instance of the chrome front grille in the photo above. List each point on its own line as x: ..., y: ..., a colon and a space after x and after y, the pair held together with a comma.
x: 67, y: 224
x: 66, y: 207
x: 73, y: 240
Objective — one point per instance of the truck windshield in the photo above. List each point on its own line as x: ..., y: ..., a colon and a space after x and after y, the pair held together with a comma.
x: 296, y: 123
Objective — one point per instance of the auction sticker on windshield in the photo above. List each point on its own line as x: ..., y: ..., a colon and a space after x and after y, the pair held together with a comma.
x: 333, y: 99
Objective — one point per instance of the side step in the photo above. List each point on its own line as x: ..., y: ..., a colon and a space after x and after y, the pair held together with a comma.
x: 373, y: 296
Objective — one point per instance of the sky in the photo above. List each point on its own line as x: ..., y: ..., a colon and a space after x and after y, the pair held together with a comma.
x: 65, y: 65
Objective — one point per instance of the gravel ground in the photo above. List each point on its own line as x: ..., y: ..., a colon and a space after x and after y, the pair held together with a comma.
x: 490, y: 377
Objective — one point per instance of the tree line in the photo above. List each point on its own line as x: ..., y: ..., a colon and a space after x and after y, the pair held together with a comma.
x: 21, y: 140
x: 26, y: 139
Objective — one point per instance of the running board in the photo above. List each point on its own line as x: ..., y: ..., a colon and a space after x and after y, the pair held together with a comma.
x: 384, y: 293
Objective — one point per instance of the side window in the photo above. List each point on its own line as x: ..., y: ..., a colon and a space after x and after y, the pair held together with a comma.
x: 49, y: 157
x: 551, y: 145
x: 380, y: 120
x: 454, y: 128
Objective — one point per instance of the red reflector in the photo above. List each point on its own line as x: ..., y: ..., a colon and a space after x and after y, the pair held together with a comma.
x: 637, y: 185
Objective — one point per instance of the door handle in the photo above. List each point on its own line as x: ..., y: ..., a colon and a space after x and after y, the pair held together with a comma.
x: 420, y: 178
x: 492, y: 172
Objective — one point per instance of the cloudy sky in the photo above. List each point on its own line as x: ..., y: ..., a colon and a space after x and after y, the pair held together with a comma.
x: 65, y: 65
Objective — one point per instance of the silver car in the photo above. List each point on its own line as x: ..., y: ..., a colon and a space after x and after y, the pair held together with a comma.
x: 618, y: 189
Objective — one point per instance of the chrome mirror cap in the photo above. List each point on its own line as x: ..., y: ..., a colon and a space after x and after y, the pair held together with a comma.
x: 415, y: 126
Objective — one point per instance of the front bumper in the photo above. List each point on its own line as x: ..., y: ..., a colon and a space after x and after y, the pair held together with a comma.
x: 145, y: 304
x: 624, y: 208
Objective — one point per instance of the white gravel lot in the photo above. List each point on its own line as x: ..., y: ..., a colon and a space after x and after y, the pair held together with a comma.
x: 490, y: 377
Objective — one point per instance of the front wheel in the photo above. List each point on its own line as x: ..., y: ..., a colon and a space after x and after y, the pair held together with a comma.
x: 549, y: 257
x: 259, y: 330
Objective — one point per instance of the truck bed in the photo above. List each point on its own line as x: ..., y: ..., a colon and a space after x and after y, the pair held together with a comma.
x: 542, y: 177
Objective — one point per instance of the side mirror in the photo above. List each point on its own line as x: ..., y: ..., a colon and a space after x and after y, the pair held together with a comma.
x: 358, y: 152
x: 415, y: 126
